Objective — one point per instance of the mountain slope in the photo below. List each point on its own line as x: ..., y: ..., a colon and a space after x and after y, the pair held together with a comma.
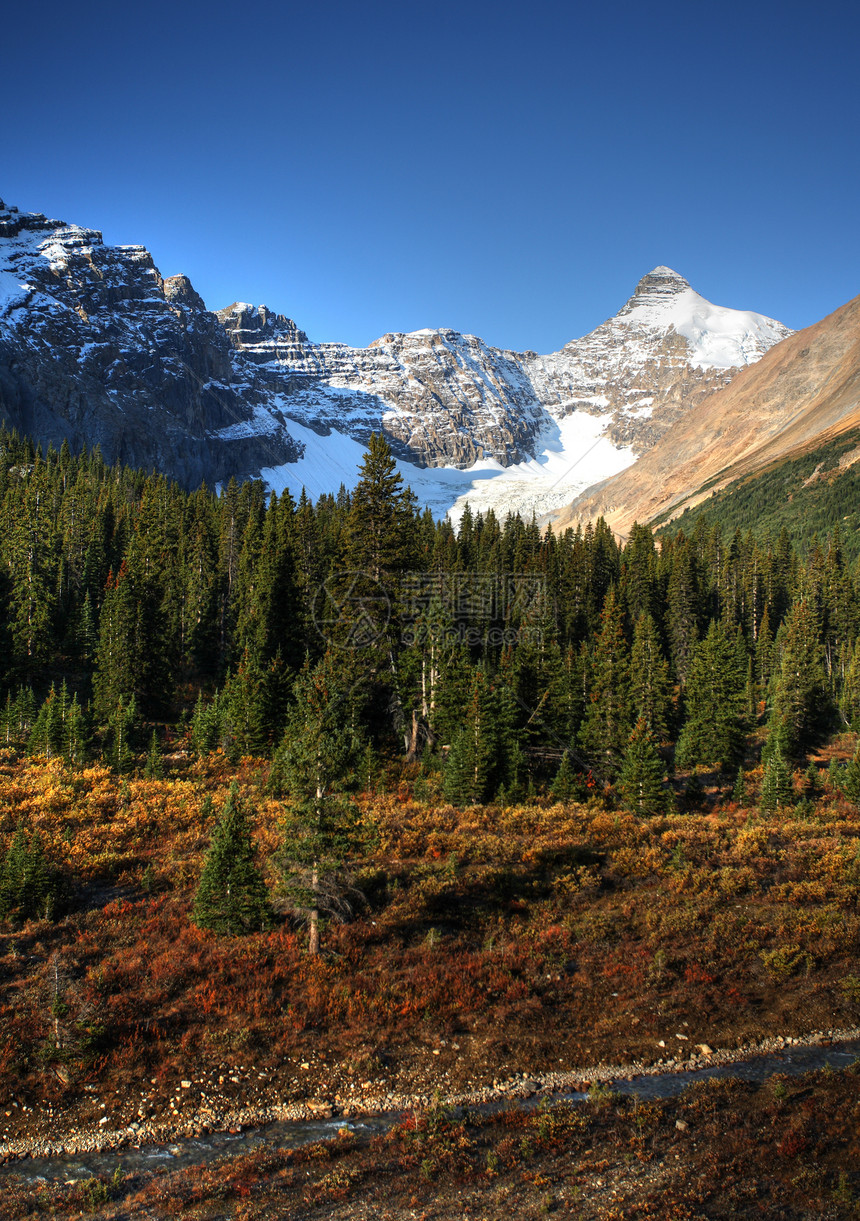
x: 97, y: 347
x: 512, y: 431
x: 806, y: 390
x: 808, y: 493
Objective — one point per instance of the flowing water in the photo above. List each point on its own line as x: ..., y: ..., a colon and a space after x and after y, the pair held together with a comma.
x: 792, y: 1061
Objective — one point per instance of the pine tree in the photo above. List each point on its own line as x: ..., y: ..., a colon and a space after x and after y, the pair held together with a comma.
x: 46, y: 736
x: 739, y: 792
x: 639, y: 573
x: 380, y: 533
x: 606, y: 724
x: 683, y: 606
x: 231, y: 898
x: 641, y: 781
x: 75, y: 736
x: 800, y: 697
x: 849, y: 780
x: 29, y: 887
x: 850, y: 702
x: 713, y: 731
x: 154, y: 766
x: 12, y: 874
x: 776, y: 787
x: 649, y: 678
x: 244, y: 701
x: 121, y: 736
x: 471, y: 768
x: 320, y: 832
x: 565, y: 787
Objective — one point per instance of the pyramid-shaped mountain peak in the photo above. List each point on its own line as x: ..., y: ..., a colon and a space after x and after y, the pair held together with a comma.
x: 661, y: 280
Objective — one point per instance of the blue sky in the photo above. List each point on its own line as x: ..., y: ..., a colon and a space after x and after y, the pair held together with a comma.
x: 504, y: 170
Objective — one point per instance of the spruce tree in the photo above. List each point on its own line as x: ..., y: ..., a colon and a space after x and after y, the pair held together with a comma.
x: 380, y: 527
x: 683, y: 605
x: 121, y: 736
x: 850, y: 701
x: 231, y: 898
x: 849, y: 780
x: 606, y: 724
x: 320, y: 831
x: 713, y: 731
x: 776, y: 787
x: 564, y: 787
x: 46, y: 736
x: 154, y: 766
x: 75, y: 734
x: 29, y: 887
x: 641, y: 781
x: 471, y: 768
x: 739, y: 792
x: 649, y: 678
x: 800, y: 696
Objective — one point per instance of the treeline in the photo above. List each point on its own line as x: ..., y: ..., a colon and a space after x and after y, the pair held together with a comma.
x: 509, y: 660
x: 808, y: 496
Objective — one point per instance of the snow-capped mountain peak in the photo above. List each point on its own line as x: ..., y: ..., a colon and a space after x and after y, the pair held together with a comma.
x: 95, y: 345
x: 718, y: 338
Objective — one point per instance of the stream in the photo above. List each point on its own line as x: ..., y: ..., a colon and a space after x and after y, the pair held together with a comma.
x: 195, y: 1151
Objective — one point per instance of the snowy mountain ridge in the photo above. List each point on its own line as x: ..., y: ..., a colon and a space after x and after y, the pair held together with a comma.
x: 96, y: 346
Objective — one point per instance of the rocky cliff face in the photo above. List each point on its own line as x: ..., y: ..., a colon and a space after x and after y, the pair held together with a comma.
x: 95, y: 346
x: 441, y: 397
x: 803, y: 391
x: 450, y: 399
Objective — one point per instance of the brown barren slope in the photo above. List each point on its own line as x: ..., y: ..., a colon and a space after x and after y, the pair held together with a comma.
x: 806, y: 387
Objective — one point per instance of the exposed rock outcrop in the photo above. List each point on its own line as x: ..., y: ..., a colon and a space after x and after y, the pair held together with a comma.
x: 96, y: 347
x: 803, y: 391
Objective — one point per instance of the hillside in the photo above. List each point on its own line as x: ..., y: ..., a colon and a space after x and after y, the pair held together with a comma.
x: 803, y: 392
x: 807, y: 494
x: 96, y: 346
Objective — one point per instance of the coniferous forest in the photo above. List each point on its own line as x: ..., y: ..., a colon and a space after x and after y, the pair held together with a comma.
x: 139, y: 618
x: 333, y: 801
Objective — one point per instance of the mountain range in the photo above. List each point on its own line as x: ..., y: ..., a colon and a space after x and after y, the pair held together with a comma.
x: 802, y: 395
x: 96, y: 346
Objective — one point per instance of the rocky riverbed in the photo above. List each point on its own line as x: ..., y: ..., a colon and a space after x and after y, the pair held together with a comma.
x: 198, y: 1106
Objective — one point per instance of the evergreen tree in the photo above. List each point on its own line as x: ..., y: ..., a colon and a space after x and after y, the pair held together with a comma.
x: 231, y: 898
x: 154, y: 766
x: 46, y: 736
x: 121, y: 736
x: 639, y: 573
x: 739, y: 792
x: 800, y: 697
x: 29, y: 888
x: 641, y: 781
x: 606, y: 724
x: 565, y: 787
x: 713, y: 731
x: 321, y: 833
x: 246, y: 727
x: 849, y: 780
x: 649, y: 678
x: 75, y: 736
x: 209, y: 724
x: 776, y: 787
x: 683, y: 605
x: 471, y: 768
x: 850, y: 701
x: 380, y: 532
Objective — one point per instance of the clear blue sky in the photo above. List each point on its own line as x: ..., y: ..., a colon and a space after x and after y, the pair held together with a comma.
x: 504, y: 169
